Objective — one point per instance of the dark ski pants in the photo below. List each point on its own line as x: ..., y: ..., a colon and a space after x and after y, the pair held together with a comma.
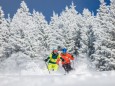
x: 67, y: 67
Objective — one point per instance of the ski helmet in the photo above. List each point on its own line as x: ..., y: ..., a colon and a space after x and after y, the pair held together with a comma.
x: 55, y: 51
x: 64, y: 50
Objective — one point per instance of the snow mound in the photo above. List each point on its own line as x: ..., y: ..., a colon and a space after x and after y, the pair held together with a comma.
x: 19, y: 63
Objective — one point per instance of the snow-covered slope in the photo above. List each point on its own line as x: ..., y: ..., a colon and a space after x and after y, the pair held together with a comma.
x: 20, y: 70
x: 21, y: 64
x: 92, y: 79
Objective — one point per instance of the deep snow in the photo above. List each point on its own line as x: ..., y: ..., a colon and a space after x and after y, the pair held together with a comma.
x: 20, y: 70
x: 91, y: 79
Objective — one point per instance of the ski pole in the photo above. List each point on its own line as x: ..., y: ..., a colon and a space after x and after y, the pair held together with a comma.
x: 73, y: 64
x: 47, y: 67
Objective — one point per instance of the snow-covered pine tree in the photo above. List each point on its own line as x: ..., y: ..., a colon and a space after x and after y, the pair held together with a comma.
x: 68, y: 19
x: 102, y: 48
x: 78, y: 40
x: 4, y: 34
x: 85, y: 26
x: 40, y: 34
x: 21, y: 29
x: 88, y: 37
x: 111, y: 31
x: 56, y: 34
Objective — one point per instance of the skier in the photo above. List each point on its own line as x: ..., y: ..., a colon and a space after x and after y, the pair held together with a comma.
x: 66, y: 60
x: 53, y: 60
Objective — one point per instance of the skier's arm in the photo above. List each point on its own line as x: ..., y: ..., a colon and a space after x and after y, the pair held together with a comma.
x: 62, y: 59
x: 47, y: 59
x: 58, y: 59
x: 71, y: 57
x: 57, y: 62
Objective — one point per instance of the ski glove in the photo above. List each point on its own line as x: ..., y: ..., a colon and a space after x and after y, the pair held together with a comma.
x: 62, y: 59
x: 46, y: 60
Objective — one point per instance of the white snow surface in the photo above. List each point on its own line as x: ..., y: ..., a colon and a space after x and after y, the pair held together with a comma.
x: 20, y: 70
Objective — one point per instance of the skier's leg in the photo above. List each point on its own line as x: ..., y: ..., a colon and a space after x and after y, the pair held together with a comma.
x: 65, y: 66
x: 69, y: 67
x: 55, y: 67
x: 49, y: 66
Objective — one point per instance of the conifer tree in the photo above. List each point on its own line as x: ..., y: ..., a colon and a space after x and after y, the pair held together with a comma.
x: 69, y: 21
x: 4, y: 34
x: 102, y: 45
x: 40, y: 34
x: 56, y: 34
x: 21, y: 31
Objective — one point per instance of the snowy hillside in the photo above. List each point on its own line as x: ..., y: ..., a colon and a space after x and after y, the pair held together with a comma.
x: 20, y: 70
x: 90, y: 79
x: 21, y: 64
